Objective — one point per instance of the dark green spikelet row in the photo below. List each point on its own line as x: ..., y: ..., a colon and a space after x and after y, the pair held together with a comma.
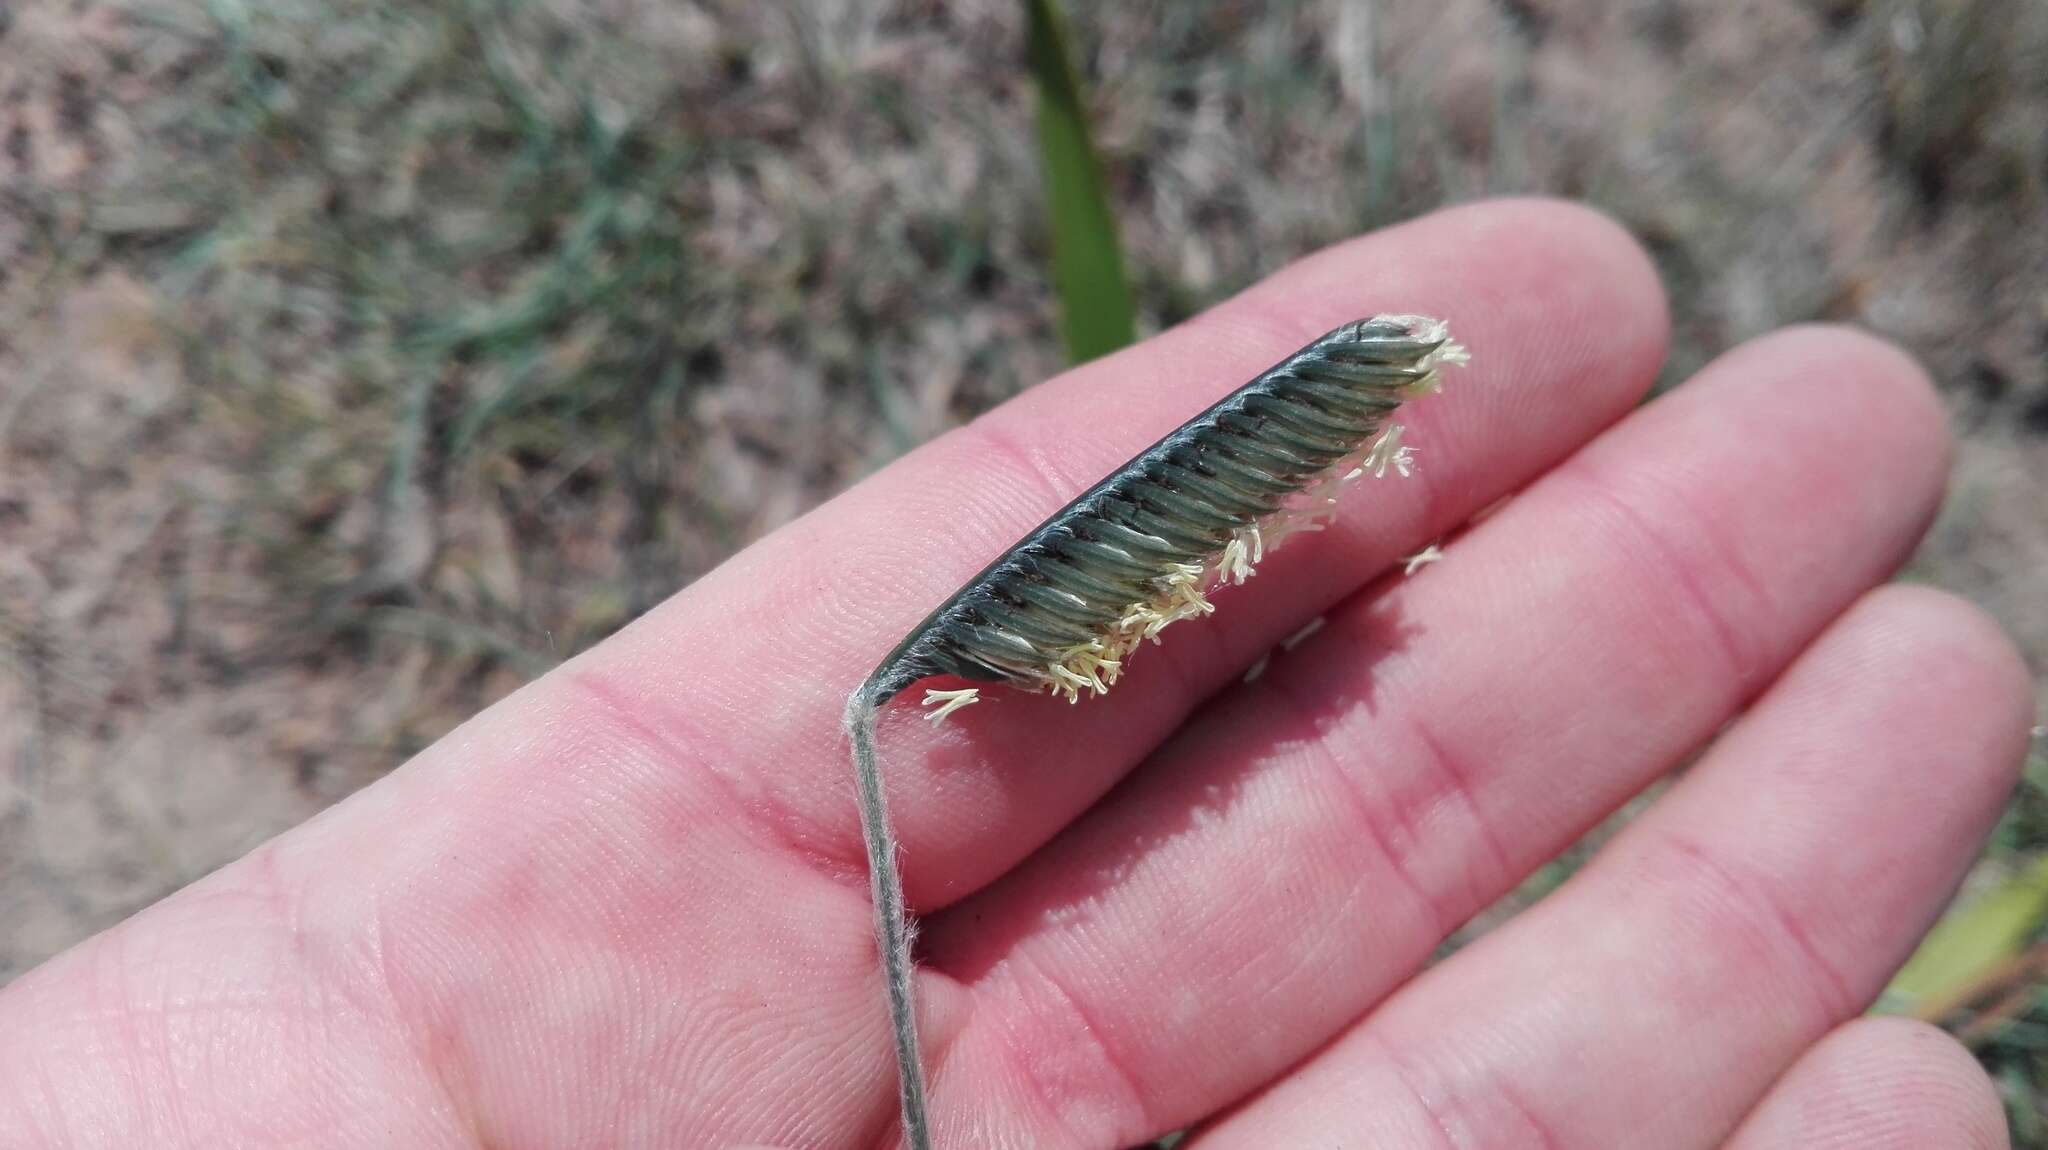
x: 1089, y: 578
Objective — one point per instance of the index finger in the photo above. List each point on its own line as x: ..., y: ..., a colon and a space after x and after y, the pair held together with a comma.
x: 1567, y: 326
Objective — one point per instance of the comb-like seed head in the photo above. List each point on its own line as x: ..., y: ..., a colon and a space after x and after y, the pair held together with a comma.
x: 1107, y: 558
x: 1215, y: 492
x: 1031, y: 592
x: 1217, y: 460
x: 1065, y: 609
x: 1042, y: 628
x: 1102, y: 592
x: 1137, y: 543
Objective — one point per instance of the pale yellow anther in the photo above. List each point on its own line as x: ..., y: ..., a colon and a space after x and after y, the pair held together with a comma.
x: 1387, y: 452
x: 1421, y: 559
x: 950, y: 701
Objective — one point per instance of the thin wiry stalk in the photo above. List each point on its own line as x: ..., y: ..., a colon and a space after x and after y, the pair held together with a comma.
x: 1066, y: 608
x: 894, y: 931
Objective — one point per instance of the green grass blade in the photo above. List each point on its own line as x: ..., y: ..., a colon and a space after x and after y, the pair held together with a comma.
x: 1087, y: 261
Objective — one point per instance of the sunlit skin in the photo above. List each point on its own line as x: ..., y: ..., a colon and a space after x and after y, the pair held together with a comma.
x: 626, y: 907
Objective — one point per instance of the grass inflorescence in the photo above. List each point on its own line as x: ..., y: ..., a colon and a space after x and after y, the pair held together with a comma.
x: 1064, y: 609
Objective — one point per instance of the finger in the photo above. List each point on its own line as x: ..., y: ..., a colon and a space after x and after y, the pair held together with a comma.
x: 1654, y: 999
x: 747, y: 673
x: 1412, y: 761
x: 1880, y: 1084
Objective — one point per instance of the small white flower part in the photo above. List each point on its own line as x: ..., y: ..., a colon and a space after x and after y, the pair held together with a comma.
x: 1301, y: 636
x: 1387, y: 452
x: 1183, y: 589
x: 1258, y: 668
x: 1068, y: 684
x: 1280, y: 528
x: 1422, y: 558
x: 1091, y: 666
x: 1235, y: 564
x: 950, y: 701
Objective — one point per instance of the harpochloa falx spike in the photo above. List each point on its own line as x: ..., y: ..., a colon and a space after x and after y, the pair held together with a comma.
x: 1065, y: 609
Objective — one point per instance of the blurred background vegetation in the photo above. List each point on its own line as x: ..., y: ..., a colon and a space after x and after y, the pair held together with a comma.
x: 360, y: 360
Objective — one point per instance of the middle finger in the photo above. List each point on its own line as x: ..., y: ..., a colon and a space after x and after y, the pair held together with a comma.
x: 1304, y: 846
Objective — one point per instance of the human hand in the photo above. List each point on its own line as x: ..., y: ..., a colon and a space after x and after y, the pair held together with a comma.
x: 627, y: 907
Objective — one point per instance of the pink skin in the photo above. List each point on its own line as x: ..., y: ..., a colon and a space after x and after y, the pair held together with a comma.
x: 626, y: 907
x: 1879, y: 1084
